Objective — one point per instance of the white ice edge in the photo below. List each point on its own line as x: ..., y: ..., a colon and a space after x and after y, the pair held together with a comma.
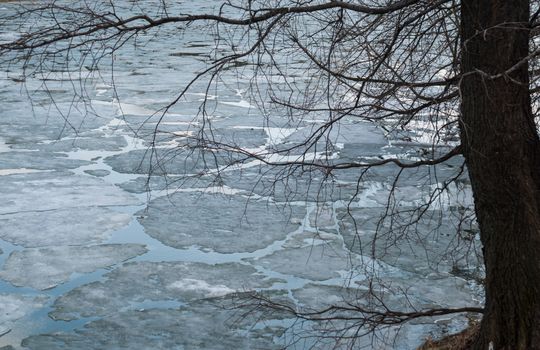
x: 5, y: 172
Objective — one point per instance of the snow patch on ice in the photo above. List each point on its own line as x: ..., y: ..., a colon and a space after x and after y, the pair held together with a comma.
x: 4, y: 172
x: 190, y: 284
x: 241, y: 104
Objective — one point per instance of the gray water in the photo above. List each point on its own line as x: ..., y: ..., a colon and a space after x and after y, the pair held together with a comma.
x: 93, y: 258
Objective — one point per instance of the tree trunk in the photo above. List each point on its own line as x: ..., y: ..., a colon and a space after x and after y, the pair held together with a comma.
x: 502, y: 151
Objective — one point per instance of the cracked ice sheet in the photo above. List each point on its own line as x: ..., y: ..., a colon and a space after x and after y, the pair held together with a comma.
x: 76, y: 226
x: 91, y: 141
x: 137, y: 282
x: 38, y: 160
x: 203, y: 325
x: 316, y: 262
x: 399, y: 293
x: 58, y: 190
x: 222, y: 223
x: 406, y: 293
x: 45, y: 268
x: 311, y: 187
x: 167, y: 184
x: 161, y: 162
x: 246, y: 138
x: 26, y: 124
x: 315, y: 297
x: 360, y: 133
x: 420, y: 245
x: 15, y: 306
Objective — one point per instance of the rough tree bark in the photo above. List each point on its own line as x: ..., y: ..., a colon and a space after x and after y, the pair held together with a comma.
x: 502, y: 151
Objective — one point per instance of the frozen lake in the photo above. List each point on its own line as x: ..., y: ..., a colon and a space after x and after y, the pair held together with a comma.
x: 95, y: 254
